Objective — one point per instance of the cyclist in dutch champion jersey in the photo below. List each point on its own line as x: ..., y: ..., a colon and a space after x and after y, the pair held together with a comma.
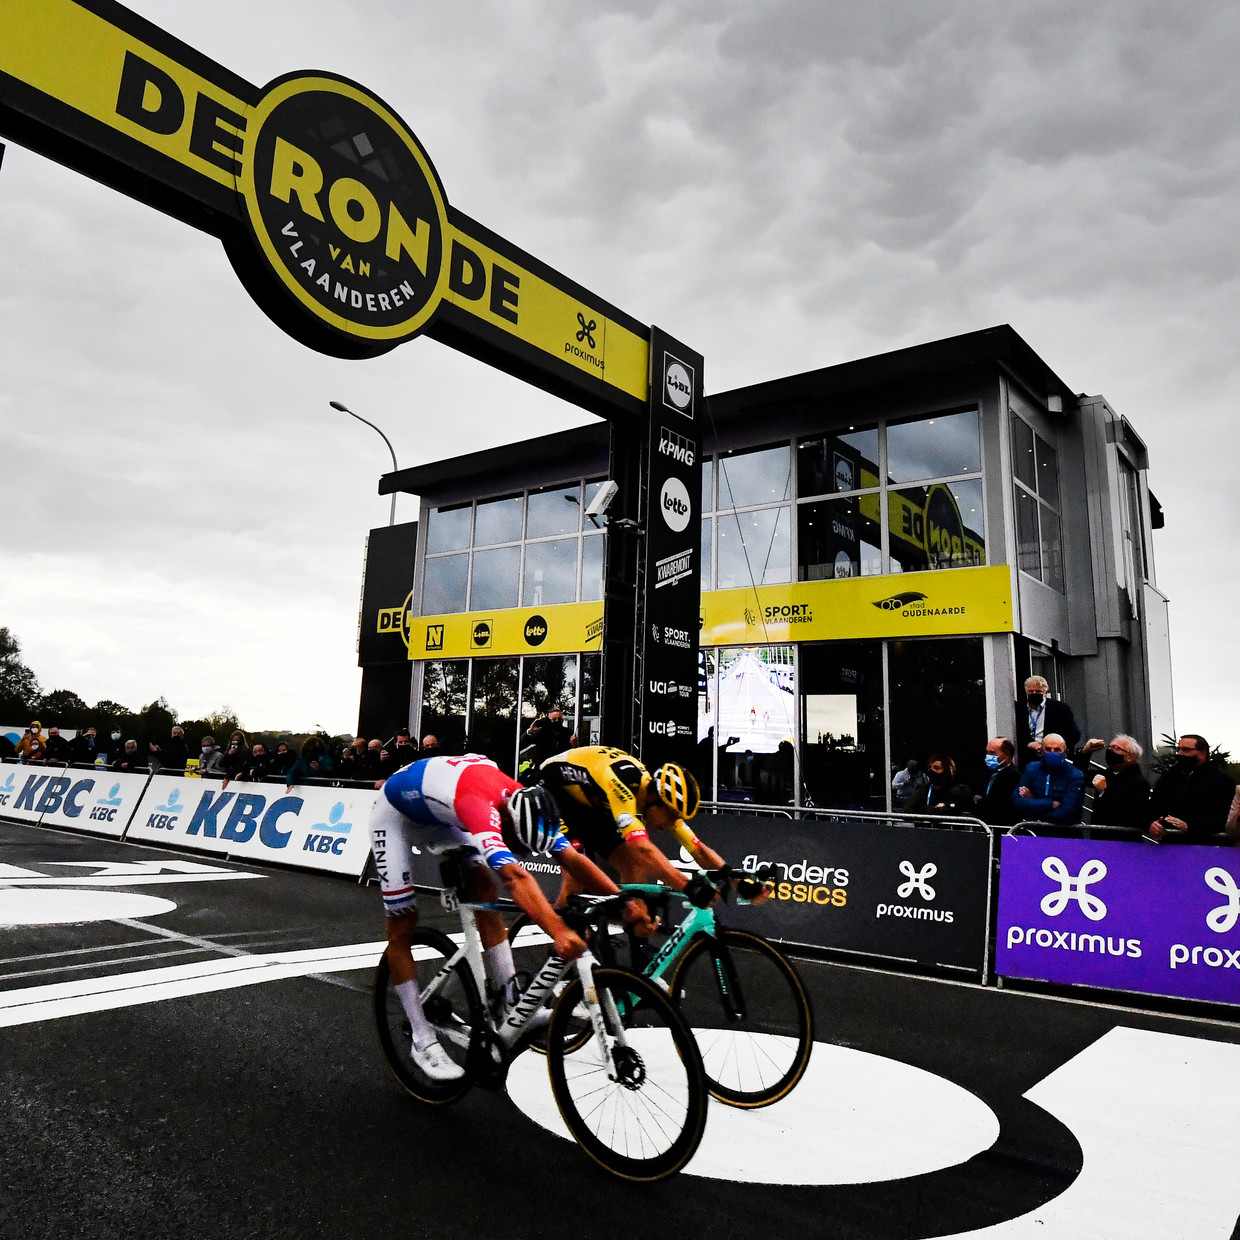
x: 444, y: 804
x: 609, y: 800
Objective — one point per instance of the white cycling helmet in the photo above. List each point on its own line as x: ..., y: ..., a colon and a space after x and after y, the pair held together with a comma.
x: 535, y: 817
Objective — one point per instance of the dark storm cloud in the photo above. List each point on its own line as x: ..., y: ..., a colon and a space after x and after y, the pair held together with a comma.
x: 784, y: 185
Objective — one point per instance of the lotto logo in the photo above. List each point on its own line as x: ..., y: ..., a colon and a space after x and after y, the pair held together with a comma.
x: 1070, y: 888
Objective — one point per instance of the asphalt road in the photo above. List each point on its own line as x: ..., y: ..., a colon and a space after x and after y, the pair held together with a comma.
x: 191, y: 1053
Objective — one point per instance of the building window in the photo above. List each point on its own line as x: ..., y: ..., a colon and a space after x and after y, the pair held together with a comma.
x: 524, y: 550
x: 753, y: 495
x: 1035, y: 488
x: 891, y: 498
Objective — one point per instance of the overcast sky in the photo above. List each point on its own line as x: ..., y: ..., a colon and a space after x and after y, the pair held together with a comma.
x: 783, y: 185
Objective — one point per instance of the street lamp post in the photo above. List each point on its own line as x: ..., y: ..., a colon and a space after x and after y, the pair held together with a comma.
x: 335, y: 404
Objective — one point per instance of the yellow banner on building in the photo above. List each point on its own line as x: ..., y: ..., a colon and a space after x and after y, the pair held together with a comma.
x: 956, y: 601
x: 563, y: 628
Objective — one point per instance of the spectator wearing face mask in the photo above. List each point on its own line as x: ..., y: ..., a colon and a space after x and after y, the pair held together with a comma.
x: 1051, y: 788
x: 909, y: 784
x: 279, y: 762
x: 175, y: 751
x: 236, y: 755
x: 211, y: 760
x: 1040, y: 715
x: 131, y: 760
x: 995, y: 804
x: 31, y: 736
x: 944, y: 795
x: 85, y: 747
x: 114, y: 749
x: 1191, y: 803
x: 1123, y: 793
x: 58, y: 749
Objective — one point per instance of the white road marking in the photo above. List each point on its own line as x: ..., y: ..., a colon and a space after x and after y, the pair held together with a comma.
x: 855, y: 1118
x: 1157, y: 1116
x: 61, y: 908
x: 59, y: 999
x: 122, y: 880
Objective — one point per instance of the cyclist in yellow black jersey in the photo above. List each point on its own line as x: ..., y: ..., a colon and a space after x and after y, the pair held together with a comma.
x: 609, y: 803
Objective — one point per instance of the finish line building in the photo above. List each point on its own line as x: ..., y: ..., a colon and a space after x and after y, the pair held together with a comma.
x: 888, y: 546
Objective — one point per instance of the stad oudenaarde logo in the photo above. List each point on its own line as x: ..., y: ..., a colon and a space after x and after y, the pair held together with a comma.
x: 346, y: 207
x: 913, y: 605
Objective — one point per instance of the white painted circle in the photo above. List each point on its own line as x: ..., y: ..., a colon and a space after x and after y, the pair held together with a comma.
x: 854, y: 1118
x: 679, y: 385
x: 674, y: 504
x: 59, y: 906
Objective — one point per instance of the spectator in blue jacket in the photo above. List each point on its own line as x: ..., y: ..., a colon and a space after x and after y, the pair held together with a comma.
x: 1051, y: 789
x: 313, y: 765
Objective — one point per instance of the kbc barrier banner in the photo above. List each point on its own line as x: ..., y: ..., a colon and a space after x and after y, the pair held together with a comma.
x: 908, y: 893
x: 98, y: 801
x: 1125, y: 916
x: 319, y: 828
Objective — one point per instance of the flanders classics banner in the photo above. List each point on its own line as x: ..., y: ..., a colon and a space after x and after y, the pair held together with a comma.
x: 905, y: 893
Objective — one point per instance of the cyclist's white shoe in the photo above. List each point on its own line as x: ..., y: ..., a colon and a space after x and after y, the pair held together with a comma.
x: 432, y: 1061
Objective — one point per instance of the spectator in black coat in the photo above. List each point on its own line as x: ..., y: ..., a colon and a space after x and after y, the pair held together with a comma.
x: 236, y: 755
x: 1192, y: 801
x: 84, y: 747
x: 131, y: 760
x: 1040, y: 715
x: 258, y: 766
x: 995, y: 804
x: 279, y: 762
x: 58, y: 749
x: 175, y: 751
x: 944, y: 795
x: 549, y: 736
x: 405, y: 751
x: 430, y: 746
x: 1122, y: 795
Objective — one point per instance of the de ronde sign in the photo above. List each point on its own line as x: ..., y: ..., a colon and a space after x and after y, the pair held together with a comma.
x: 328, y: 206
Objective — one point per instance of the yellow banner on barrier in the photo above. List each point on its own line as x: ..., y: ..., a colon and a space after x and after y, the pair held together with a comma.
x: 950, y: 601
x: 563, y: 628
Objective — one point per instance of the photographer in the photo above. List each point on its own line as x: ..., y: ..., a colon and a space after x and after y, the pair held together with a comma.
x: 550, y: 735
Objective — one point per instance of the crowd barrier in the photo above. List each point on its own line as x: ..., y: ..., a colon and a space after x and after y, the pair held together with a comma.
x: 1094, y: 911
x: 313, y: 826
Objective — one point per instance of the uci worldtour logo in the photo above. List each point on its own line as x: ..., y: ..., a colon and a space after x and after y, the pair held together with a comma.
x: 346, y: 207
x: 677, y: 385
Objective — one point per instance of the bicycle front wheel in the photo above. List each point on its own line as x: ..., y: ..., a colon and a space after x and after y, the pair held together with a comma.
x: 750, y: 1014
x: 452, y: 1007
x: 639, y: 1110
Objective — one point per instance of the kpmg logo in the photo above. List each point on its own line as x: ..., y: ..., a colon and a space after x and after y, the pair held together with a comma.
x: 917, y: 880
x: 1223, y: 919
x: 1073, y: 888
x: 677, y: 385
x: 677, y: 447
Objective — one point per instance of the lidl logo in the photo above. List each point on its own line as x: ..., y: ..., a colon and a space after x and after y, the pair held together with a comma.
x: 677, y: 385
x: 346, y: 208
x: 481, y: 634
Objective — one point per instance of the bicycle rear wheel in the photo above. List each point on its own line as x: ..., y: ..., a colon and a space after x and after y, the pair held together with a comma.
x: 641, y: 1111
x: 750, y: 1014
x: 452, y: 1006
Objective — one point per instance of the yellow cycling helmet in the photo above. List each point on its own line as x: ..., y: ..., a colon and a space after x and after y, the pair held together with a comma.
x: 677, y: 789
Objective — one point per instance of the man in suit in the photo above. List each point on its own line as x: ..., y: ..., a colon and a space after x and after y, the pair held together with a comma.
x: 1041, y: 715
x: 995, y: 804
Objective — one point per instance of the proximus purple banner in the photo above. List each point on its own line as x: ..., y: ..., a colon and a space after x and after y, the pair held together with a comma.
x: 1162, y: 920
